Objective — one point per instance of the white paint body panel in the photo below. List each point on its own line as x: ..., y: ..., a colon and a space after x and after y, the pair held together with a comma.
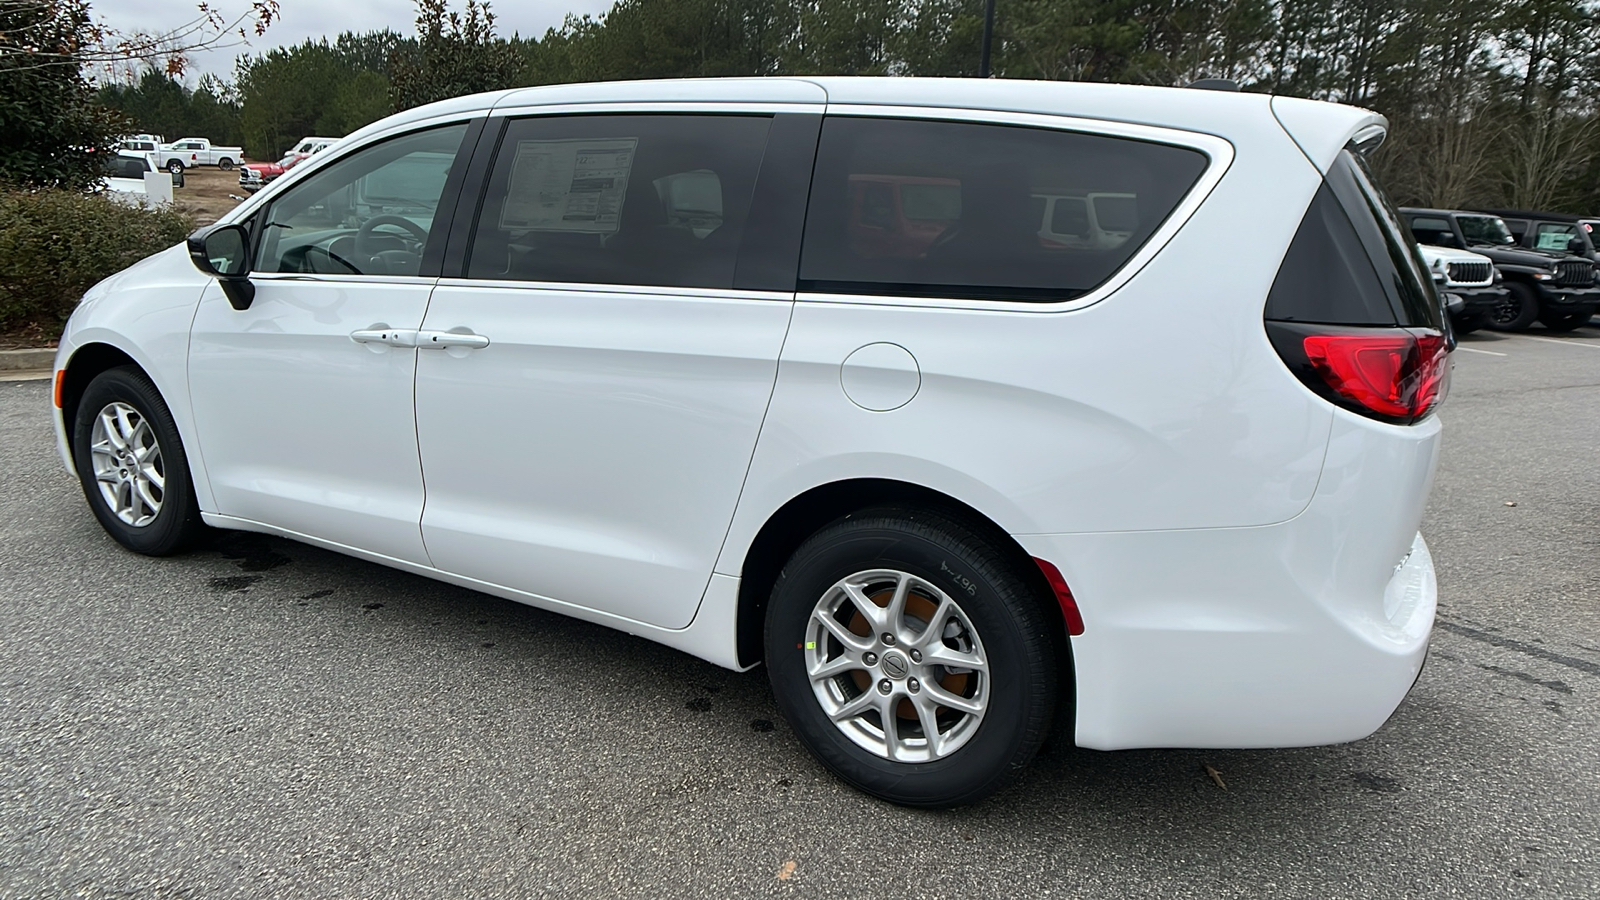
x: 302, y: 426
x: 600, y: 431
x: 1244, y: 555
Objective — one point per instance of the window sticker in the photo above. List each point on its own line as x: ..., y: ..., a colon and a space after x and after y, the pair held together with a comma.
x: 573, y: 185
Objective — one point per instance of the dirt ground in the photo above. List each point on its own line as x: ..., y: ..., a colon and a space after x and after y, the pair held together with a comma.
x: 209, y: 192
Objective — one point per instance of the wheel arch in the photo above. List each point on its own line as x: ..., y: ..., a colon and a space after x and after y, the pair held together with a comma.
x: 85, y: 363
x: 787, y: 527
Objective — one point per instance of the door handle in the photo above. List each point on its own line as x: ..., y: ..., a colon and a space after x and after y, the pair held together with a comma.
x: 446, y: 339
x: 394, y: 337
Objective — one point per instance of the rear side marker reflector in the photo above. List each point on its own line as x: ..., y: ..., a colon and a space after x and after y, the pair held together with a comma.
x: 1058, y: 586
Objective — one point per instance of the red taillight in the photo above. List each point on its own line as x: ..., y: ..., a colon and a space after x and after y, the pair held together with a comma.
x: 1396, y: 374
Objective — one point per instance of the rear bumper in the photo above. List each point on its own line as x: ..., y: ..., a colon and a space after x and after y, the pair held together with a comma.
x: 1311, y: 631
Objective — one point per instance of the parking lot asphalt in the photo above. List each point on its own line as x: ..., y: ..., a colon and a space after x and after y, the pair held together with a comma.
x: 265, y: 719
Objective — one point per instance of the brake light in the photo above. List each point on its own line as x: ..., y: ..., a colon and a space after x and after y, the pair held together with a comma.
x: 1397, y: 375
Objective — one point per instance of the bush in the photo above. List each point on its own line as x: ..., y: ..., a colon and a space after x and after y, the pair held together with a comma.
x: 55, y: 244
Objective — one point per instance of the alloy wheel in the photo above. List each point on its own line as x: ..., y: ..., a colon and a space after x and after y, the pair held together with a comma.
x: 897, y: 666
x: 128, y: 467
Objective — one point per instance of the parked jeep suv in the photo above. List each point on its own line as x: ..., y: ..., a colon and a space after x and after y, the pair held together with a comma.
x: 1554, y: 232
x: 1555, y: 288
x: 628, y: 352
x: 1468, y: 283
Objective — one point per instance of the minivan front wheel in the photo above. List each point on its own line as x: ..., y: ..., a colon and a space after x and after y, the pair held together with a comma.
x: 911, y: 658
x: 132, y: 464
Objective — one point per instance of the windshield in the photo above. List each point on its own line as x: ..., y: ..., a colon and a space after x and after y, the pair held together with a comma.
x: 1485, y: 230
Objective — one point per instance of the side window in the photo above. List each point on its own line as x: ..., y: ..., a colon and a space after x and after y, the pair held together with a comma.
x: 370, y: 213
x: 1432, y: 230
x: 982, y: 211
x: 1557, y: 237
x: 656, y: 200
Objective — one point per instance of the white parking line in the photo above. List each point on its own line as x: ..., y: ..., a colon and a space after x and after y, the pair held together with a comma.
x: 1476, y: 350
x: 1570, y: 343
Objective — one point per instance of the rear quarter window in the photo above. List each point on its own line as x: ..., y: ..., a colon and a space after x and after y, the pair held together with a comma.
x: 1352, y: 262
x: 992, y: 212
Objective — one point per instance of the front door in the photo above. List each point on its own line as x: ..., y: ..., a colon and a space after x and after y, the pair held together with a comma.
x: 586, y: 433
x: 304, y: 400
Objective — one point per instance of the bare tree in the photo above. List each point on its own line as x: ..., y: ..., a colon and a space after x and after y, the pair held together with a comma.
x: 100, y: 48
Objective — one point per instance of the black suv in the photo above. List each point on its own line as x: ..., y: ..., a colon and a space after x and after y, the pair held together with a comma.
x: 1555, y: 232
x: 1556, y: 288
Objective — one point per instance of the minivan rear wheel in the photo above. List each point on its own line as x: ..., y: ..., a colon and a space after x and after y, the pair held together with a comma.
x: 131, y: 463
x: 911, y: 657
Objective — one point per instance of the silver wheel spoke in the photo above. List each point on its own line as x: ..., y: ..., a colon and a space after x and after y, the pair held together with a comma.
x: 871, y: 611
x: 948, y: 700
x: 142, y: 489
x: 934, y: 633
x: 107, y: 476
x: 944, y: 656
x: 854, y: 707
x: 894, y: 616
x: 136, y: 440
x: 836, y: 666
x: 112, y: 436
x: 124, y: 425
x: 844, y: 635
x: 891, y: 727
x: 927, y: 714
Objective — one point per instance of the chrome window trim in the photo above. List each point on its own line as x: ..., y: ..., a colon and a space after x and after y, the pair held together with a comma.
x: 659, y: 107
x: 334, y: 278
x: 574, y: 287
x: 1218, y: 151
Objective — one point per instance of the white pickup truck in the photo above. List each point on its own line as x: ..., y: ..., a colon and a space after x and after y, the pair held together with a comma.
x: 190, y: 152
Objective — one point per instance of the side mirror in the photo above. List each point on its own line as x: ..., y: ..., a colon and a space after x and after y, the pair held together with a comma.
x: 177, y: 179
x: 1575, y: 246
x: 223, y: 252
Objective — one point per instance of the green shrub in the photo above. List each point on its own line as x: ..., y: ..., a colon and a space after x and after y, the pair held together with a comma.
x: 55, y: 244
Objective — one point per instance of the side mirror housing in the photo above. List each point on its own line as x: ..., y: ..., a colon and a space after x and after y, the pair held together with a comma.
x: 177, y: 179
x: 223, y: 252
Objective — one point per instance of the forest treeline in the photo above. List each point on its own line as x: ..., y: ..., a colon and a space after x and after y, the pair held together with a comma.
x: 1490, y: 102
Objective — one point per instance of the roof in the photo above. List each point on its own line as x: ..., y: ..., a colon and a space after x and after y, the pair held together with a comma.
x: 1321, y: 129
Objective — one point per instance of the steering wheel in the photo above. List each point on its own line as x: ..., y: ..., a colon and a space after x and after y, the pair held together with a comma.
x: 368, y: 230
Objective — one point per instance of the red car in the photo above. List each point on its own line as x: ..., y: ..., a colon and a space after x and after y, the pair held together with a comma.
x: 253, y: 176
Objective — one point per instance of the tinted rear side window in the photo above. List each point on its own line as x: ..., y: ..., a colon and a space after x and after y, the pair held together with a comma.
x: 953, y: 209
x: 646, y: 200
x: 1352, y: 262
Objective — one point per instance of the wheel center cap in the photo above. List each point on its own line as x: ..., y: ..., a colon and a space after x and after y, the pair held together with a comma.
x: 895, y: 666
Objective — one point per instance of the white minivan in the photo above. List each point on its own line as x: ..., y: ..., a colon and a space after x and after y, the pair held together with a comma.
x: 667, y: 356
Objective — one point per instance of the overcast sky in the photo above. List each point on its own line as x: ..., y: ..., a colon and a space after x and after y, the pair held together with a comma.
x: 326, y: 18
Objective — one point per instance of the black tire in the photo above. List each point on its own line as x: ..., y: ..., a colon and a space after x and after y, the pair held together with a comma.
x: 174, y: 166
x: 997, y: 613
x: 176, y: 522
x: 1518, y: 310
x: 224, y: 164
x: 1565, y: 321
